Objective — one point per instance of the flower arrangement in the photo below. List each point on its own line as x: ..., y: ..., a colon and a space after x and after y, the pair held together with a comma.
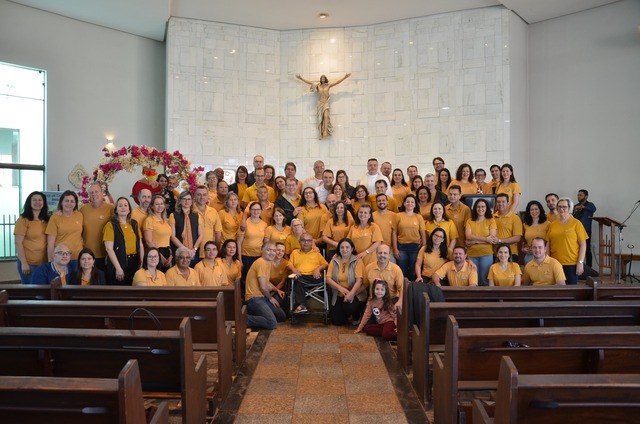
x: 128, y: 158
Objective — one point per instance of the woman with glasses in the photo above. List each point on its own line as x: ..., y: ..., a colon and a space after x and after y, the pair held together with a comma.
x: 432, y: 256
x: 568, y: 241
x: 186, y: 226
x: 149, y: 274
x: 361, y: 198
x: 439, y: 219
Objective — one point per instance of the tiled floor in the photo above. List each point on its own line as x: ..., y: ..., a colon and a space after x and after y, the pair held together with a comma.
x: 312, y: 373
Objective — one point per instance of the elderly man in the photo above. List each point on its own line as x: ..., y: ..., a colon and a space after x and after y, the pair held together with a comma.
x: 262, y: 298
x: 251, y: 193
x: 385, y: 169
x: 140, y: 213
x: 384, y: 269
x: 307, y: 264
x: 95, y: 214
x: 258, y: 162
x: 542, y: 270
x: 369, y: 179
x: 509, y: 224
x: 59, y: 267
x: 211, y: 223
x: 182, y: 274
x: 289, y: 200
x: 315, y: 180
x: 327, y: 184
x: 458, y: 272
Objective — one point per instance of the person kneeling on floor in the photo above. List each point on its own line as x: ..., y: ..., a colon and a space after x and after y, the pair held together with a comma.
x: 379, y: 317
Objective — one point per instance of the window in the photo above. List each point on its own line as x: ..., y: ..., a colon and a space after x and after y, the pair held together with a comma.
x: 22, y: 141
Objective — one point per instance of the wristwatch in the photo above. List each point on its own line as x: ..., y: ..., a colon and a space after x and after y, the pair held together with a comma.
x: 580, y: 262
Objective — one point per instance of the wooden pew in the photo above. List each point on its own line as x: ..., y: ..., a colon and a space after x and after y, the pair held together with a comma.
x: 430, y: 335
x: 472, y: 357
x: 166, y: 359
x: 234, y: 310
x: 561, y: 399
x: 208, y: 327
x: 487, y: 294
x: 67, y: 400
x: 602, y: 291
x: 27, y: 291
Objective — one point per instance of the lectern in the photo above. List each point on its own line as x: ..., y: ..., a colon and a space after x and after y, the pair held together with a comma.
x: 607, y: 245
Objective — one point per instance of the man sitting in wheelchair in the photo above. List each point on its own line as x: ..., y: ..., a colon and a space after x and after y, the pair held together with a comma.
x: 308, y: 266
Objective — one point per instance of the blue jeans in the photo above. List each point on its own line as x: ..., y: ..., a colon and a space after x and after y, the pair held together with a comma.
x: 262, y: 314
x: 25, y: 278
x: 408, y: 257
x: 570, y: 274
x: 483, y: 263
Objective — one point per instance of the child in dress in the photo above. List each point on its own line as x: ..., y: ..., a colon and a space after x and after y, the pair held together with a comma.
x: 379, y: 317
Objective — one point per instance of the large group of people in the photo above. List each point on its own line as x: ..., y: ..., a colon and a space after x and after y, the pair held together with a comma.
x: 261, y: 227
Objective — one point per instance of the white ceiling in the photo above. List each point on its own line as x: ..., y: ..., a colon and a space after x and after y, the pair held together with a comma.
x: 148, y: 18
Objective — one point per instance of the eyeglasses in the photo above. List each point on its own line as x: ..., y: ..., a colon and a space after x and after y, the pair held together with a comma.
x: 562, y: 207
x: 63, y: 253
x: 183, y: 258
x: 153, y: 257
x: 305, y: 241
x: 438, y: 236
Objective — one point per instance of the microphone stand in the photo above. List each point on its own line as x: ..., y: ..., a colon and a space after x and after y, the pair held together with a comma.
x: 629, y: 274
x: 620, y: 227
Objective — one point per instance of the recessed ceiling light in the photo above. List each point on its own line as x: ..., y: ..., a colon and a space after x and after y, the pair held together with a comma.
x: 332, y: 40
x: 323, y: 15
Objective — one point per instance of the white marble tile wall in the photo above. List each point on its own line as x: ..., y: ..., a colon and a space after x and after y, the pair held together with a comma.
x: 423, y: 87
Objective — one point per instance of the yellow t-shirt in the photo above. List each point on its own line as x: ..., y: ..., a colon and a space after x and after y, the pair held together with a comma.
x: 448, y: 226
x: 210, y: 226
x: 275, y: 235
x: 215, y: 203
x: 546, y: 274
x: 175, y: 278
x: 251, y: 194
x: 480, y: 229
x: 160, y: 230
x: 431, y: 262
x: 511, y: 189
x: 278, y: 272
x: 306, y: 263
x: 139, y: 216
x: 464, y: 277
x: 312, y: 219
x: 392, y: 203
x: 387, y: 224
x: 466, y: 188
x: 363, y: 238
x: 253, y: 238
x: 35, y: 240
x: 142, y: 277
x: 392, y: 274
x: 129, y: 236
x: 343, y: 274
x: 67, y: 230
x: 409, y: 228
x: 230, y: 224
x: 533, y: 231
x: 459, y: 216
x: 266, y: 215
x: 260, y: 269
x: 210, y: 275
x: 233, y: 271
x: 425, y: 211
x: 507, y: 226
x: 400, y: 192
x: 564, y: 240
x: 504, y: 278
x: 336, y: 232
x: 242, y: 188
x: 93, y: 221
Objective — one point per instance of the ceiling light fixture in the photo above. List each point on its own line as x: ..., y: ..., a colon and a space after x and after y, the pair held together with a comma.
x: 323, y: 15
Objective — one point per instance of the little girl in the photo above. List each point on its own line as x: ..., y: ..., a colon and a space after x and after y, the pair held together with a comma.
x: 379, y: 317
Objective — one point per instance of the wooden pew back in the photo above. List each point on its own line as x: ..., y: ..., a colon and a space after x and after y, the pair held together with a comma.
x: 561, y: 399
x: 31, y: 400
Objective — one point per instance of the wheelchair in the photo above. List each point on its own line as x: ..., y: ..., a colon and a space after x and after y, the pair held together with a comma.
x: 318, y: 291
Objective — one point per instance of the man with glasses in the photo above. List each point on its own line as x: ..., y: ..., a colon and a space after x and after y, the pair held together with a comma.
x: 262, y: 298
x: 308, y: 266
x: 438, y: 164
x: 59, y: 267
x: 181, y: 274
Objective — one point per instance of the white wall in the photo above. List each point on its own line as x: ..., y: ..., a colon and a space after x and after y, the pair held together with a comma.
x: 232, y: 92
x: 584, y: 83
x: 99, y: 81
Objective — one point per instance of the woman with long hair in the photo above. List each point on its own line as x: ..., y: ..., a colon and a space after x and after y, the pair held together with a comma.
x: 416, y: 183
x: 408, y: 237
x: 157, y: 232
x: 312, y: 213
x: 169, y: 197
x: 186, y: 227
x: 361, y: 198
x: 344, y: 275
x: 439, y: 219
x: 149, y: 274
x: 342, y: 178
x: 209, y: 272
x: 504, y: 272
x: 480, y: 235
x: 29, y: 232
x: 66, y: 226
x: 230, y: 261
x: 230, y: 217
x: 423, y: 197
x: 535, y: 224
x: 509, y: 186
x: 444, y: 180
x: 399, y: 186
x: 87, y: 273
x: 568, y: 241
x: 269, y: 175
x: 279, y: 185
x: 341, y: 196
x: 122, y: 242
x: 366, y: 235
x: 464, y: 178
x: 432, y: 256
x: 279, y: 230
x: 240, y: 182
x: 336, y: 229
